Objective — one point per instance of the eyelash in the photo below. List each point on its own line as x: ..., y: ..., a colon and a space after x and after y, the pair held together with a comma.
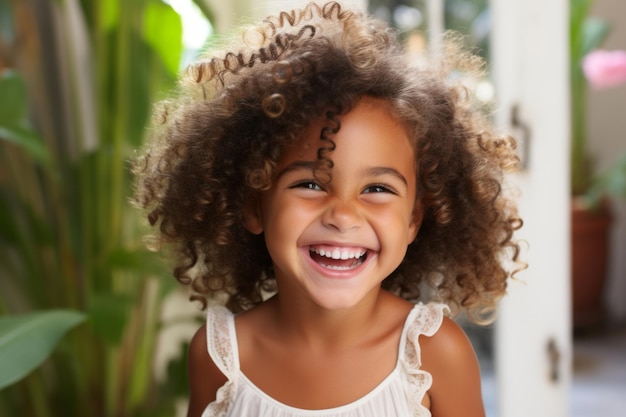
x: 380, y: 188
x: 370, y: 189
x: 310, y: 185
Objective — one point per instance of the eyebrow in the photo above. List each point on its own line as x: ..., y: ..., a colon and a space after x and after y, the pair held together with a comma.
x: 370, y: 172
x: 377, y: 171
x: 297, y: 166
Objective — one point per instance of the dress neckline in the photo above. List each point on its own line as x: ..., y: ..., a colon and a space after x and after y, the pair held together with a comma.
x: 341, y: 408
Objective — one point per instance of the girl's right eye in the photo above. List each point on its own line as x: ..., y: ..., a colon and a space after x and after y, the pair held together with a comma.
x: 309, y: 185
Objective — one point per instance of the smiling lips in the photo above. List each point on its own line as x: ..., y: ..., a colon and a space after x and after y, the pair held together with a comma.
x: 339, y: 259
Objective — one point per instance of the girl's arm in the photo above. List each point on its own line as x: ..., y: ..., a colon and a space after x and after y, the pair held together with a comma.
x: 449, y: 357
x: 205, y: 378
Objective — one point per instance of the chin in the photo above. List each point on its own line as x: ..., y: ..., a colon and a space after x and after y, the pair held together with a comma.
x: 337, y: 302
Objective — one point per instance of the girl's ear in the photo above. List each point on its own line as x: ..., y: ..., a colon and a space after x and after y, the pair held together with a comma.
x: 253, y: 219
x: 416, y: 221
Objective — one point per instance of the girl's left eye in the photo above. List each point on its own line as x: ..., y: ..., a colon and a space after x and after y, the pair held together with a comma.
x: 379, y: 188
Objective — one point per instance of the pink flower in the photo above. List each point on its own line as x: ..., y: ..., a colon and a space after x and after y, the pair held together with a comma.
x: 605, y: 69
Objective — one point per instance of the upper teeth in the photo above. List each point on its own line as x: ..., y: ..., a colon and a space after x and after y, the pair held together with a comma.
x: 340, y: 254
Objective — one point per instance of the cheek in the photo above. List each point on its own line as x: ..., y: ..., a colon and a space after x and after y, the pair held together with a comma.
x: 282, y: 220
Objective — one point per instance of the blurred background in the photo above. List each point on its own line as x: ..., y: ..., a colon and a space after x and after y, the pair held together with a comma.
x: 92, y: 324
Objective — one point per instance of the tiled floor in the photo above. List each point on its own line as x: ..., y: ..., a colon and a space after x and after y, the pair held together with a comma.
x: 599, y: 376
x: 599, y: 382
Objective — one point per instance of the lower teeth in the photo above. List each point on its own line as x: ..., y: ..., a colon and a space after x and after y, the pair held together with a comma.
x: 355, y: 263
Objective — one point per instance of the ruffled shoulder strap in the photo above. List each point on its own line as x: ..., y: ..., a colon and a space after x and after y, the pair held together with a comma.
x: 222, y: 340
x: 424, y: 319
x: 222, y: 347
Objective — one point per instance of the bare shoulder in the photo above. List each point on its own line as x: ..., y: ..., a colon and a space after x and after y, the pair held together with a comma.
x: 450, y: 358
x: 205, y: 378
x: 449, y: 343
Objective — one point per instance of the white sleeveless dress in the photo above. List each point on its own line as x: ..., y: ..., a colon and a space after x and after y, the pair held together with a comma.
x: 400, y: 394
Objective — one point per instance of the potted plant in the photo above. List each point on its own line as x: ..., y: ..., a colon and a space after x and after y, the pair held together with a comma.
x: 591, y: 191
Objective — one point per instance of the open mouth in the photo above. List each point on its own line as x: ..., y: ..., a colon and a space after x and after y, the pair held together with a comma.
x: 339, y: 259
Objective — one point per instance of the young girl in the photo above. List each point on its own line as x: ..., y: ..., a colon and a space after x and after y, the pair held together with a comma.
x: 333, y: 201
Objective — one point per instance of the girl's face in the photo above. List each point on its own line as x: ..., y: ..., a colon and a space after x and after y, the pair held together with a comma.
x: 334, y: 243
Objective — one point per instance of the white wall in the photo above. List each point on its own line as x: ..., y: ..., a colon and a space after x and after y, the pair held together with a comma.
x: 607, y: 133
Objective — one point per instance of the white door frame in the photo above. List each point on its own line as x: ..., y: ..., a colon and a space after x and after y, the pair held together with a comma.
x: 533, y: 338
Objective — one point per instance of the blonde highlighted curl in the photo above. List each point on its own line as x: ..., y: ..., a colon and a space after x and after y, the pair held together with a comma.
x: 214, y: 148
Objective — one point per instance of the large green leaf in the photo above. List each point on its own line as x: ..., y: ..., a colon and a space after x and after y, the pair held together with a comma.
x: 14, y: 125
x: 163, y: 30
x: 110, y: 14
x: 27, y: 340
x: 109, y: 315
x: 594, y: 32
x: 13, y: 97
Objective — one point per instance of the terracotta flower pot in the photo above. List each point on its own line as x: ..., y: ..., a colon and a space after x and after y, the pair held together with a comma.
x: 590, y: 255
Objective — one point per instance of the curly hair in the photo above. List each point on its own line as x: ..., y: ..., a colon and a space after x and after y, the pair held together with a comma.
x: 214, y: 148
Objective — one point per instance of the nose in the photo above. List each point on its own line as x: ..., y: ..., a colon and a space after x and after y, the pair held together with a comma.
x: 342, y: 215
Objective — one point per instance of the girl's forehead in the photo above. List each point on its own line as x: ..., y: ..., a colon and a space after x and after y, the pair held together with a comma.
x: 371, y: 122
x: 319, y: 130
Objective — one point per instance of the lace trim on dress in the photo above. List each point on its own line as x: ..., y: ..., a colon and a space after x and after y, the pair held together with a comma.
x: 223, y: 351
x: 426, y: 321
x: 422, y: 320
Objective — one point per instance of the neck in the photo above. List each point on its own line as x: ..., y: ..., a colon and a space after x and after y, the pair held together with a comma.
x: 319, y: 328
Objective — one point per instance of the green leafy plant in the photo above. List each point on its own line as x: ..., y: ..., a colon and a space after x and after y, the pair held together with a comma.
x: 587, y: 34
x: 73, y: 106
x: 27, y: 340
